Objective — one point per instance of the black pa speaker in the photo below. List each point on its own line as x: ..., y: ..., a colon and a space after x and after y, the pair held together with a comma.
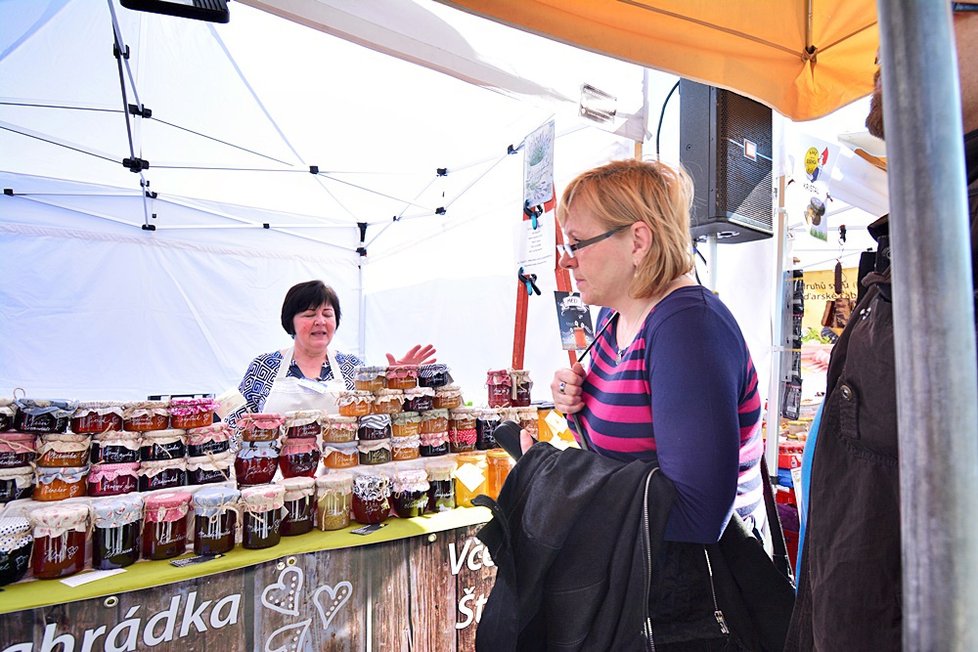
x: 725, y: 144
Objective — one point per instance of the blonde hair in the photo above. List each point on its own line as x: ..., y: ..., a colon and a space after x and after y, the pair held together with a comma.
x: 622, y: 193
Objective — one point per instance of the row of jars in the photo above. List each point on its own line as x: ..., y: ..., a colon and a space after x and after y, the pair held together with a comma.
x: 57, y: 415
x: 508, y: 388
x: 401, y: 377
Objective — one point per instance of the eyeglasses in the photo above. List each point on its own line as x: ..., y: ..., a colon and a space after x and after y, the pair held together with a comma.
x: 964, y: 6
x: 569, y: 249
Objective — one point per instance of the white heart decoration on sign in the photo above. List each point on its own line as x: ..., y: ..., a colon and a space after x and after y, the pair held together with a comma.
x: 282, y: 595
x: 294, y: 635
x: 338, y: 597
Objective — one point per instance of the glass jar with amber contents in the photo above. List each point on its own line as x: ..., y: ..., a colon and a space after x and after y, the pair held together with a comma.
x: 141, y: 416
x: 187, y: 413
x: 299, y: 457
x: 303, y: 424
x: 498, y: 465
x: 115, y: 539
x: 448, y: 397
x: 341, y: 456
x: 63, y: 449
x: 43, y: 415
x: 441, y: 491
x: 419, y: 399
x: 528, y: 418
x: 405, y: 424
x: 373, y: 427
x: 402, y: 376
x: 60, y: 483
x: 15, y: 548
x: 405, y: 448
x: 371, y: 498
x: 97, y: 416
x: 337, y: 429
x: 433, y: 421
x: 334, y: 499
x: 260, y: 427
x: 114, y: 447
x: 299, y: 509
x: 500, y: 385
x: 165, y: 524
x: 60, y: 532
x: 369, y: 379
x: 113, y: 479
x: 262, y: 521
x: 387, y: 401
x: 17, y: 449
x: 354, y: 404
x: 215, y: 519
x: 470, y: 477
x: 461, y: 430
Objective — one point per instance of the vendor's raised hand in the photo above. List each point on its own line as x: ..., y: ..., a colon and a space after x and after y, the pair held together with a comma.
x: 417, y: 354
x: 567, y: 389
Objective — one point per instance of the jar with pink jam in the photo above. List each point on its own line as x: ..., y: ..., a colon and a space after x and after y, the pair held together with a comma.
x: 461, y: 430
x: 265, y: 426
x: 114, y: 447
x: 303, y: 424
x: 164, y: 474
x: 370, y: 379
x: 500, y: 386
x: 402, y: 376
x: 209, y: 469
x: 434, y: 375
x: 60, y: 483
x: 97, y: 416
x: 299, y: 457
x: 405, y: 424
x: 16, y: 483
x: 187, y: 413
x: 214, y: 439
x: 419, y: 399
x: 60, y: 533
x: 17, y: 449
x: 140, y: 416
x: 341, y: 456
x: 299, y: 508
x: 43, y: 415
x: 338, y: 429
x: 165, y: 524
x: 159, y: 445
x: 63, y: 449
x: 354, y: 404
x: 256, y: 462
x: 520, y: 394
x: 113, y: 479
x: 448, y: 397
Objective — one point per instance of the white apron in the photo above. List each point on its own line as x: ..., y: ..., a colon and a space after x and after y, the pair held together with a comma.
x: 289, y: 394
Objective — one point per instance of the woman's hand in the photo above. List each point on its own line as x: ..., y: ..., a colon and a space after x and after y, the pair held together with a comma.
x: 567, y: 389
x: 526, y: 440
x: 417, y: 354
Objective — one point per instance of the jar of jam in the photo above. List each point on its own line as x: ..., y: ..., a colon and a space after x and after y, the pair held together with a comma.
x: 486, y: 420
x: 500, y: 386
x: 298, y: 504
x: 388, y: 401
x: 434, y: 375
x: 374, y: 426
x: 165, y: 524
x: 402, y: 376
x: 341, y: 456
x: 371, y: 498
x: 208, y: 469
x: 461, y: 430
x: 303, y: 424
x: 60, y: 483
x: 338, y: 430
x: 405, y: 424
x: 214, y: 439
x: 334, y: 499
x: 118, y: 524
x: 60, y: 532
x: 448, y: 397
x: 265, y: 426
x: 520, y: 394
x: 299, y: 457
x: 114, y: 447
x: 97, y: 416
x: 354, y: 404
x: 165, y: 474
x: 262, y: 506
x: 256, y: 463
x: 374, y: 452
x: 187, y: 413
x: 441, y: 492
x: 16, y: 483
x: 63, y: 449
x: 498, y: 465
x: 8, y: 409
x: 16, y: 449
x: 369, y: 379
x: 409, y: 492
x: 39, y: 416
x: 470, y: 477
x: 419, y: 399
x: 157, y: 445
x: 432, y: 444
x: 529, y: 419
x: 142, y: 416
x: 113, y: 479
x: 15, y: 548
x: 405, y: 448
x: 215, y: 518
x: 433, y: 421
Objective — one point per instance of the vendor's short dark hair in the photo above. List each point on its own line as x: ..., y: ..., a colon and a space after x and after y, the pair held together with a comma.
x: 307, y: 296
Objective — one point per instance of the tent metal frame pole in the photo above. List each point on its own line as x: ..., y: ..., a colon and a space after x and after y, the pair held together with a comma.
x: 773, y: 418
x: 936, y: 379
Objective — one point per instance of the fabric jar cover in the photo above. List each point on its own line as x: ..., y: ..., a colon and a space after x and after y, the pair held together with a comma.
x: 448, y: 392
x: 368, y: 447
x: 297, y: 488
x: 263, y: 498
x: 189, y: 407
x: 335, y: 480
x: 66, y: 474
x: 354, y: 398
x: 99, y: 472
x: 7, y: 412
x: 261, y: 421
x: 63, y: 449
x: 434, y: 375
x: 372, y: 486
x: 100, y: 408
x: 23, y: 476
x: 168, y: 436
x: 370, y: 375
x: 15, y: 533
x: 374, y: 426
x: 499, y: 377
x: 388, y: 401
x: 440, y: 469
x: 434, y: 439
x: 97, y: 416
x: 116, y: 511
x: 405, y: 420
x: 55, y: 520
x: 213, y: 432
x: 151, y: 469
x: 401, y: 443
x: 437, y: 420
x: 402, y: 372
x: 303, y: 423
x: 166, y: 506
x: 216, y: 462
x: 344, y: 448
x: 410, y: 480
x: 415, y: 392
x: 136, y: 409
x: 338, y: 429
x: 17, y: 442
x: 123, y: 438
x: 212, y: 502
x: 57, y: 408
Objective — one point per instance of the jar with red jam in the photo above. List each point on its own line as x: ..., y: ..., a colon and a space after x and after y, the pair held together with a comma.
x: 60, y: 483
x: 63, y: 449
x: 486, y: 420
x: 461, y: 430
x: 432, y: 444
x: 8, y: 409
x: 142, y: 416
x: 298, y: 503
x: 15, y: 548
x: 187, y: 413
x: 209, y: 469
x: 43, y: 415
x: 256, y: 463
x: 118, y: 525
x: 369, y: 379
x: 215, y: 519
x: 405, y: 424
x: 434, y: 375
x: 374, y: 452
x: 266, y: 426
x: 334, y: 498
x: 409, y: 492
x: 387, y: 402
x: 165, y: 524
x: 60, y: 533
x: 17, y: 449
x: 165, y: 474
x: 373, y: 427
x: 419, y: 399
x: 262, y: 521
x: 114, y: 447
x: 341, y: 456
x: 520, y: 394
x: 299, y: 457
x: 97, y: 416
x: 214, y: 439
x: 448, y: 397
x: 113, y: 479
x: 16, y: 483
x: 371, y: 498
x: 500, y: 386
x: 303, y: 424
x: 441, y: 491
x: 405, y: 448
x: 338, y: 430
x: 354, y: 404
x: 402, y: 376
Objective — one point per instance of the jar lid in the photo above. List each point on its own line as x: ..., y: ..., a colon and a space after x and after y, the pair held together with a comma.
x: 497, y: 453
x: 335, y: 480
x: 412, y: 441
x: 402, y: 418
x: 410, y: 480
x: 134, y: 406
x: 470, y: 458
x: 116, y: 436
x: 215, y: 432
x: 166, y: 506
x: 112, y: 471
x: 185, y: 407
x: 302, y: 417
x: 348, y: 397
x: 117, y: 510
x: 369, y: 446
x: 498, y: 377
x: 298, y: 445
x: 55, y: 520
x: 403, y: 371
x: 343, y: 448
x: 218, y: 498
x: 371, y: 486
x: 105, y: 407
x: 434, y: 439
x: 298, y: 487
x: 263, y: 497
x: 261, y: 420
x: 417, y: 392
x: 213, y: 462
x: 375, y: 421
x: 69, y: 474
x: 58, y: 408
x: 429, y: 370
x: 21, y: 475
x: 369, y: 371
x: 17, y: 442
x: 165, y: 436
x: 15, y: 533
x: 439, y: 467
x: 439, y: 413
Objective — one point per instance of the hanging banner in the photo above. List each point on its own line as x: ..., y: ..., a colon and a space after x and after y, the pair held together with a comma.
x: 810, y: 164
x: 538, y: 231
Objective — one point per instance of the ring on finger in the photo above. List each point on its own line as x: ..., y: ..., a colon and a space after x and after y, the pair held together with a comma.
x: 561, y: 387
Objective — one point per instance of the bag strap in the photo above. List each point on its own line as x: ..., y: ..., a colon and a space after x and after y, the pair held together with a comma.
x: 780, y: 559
